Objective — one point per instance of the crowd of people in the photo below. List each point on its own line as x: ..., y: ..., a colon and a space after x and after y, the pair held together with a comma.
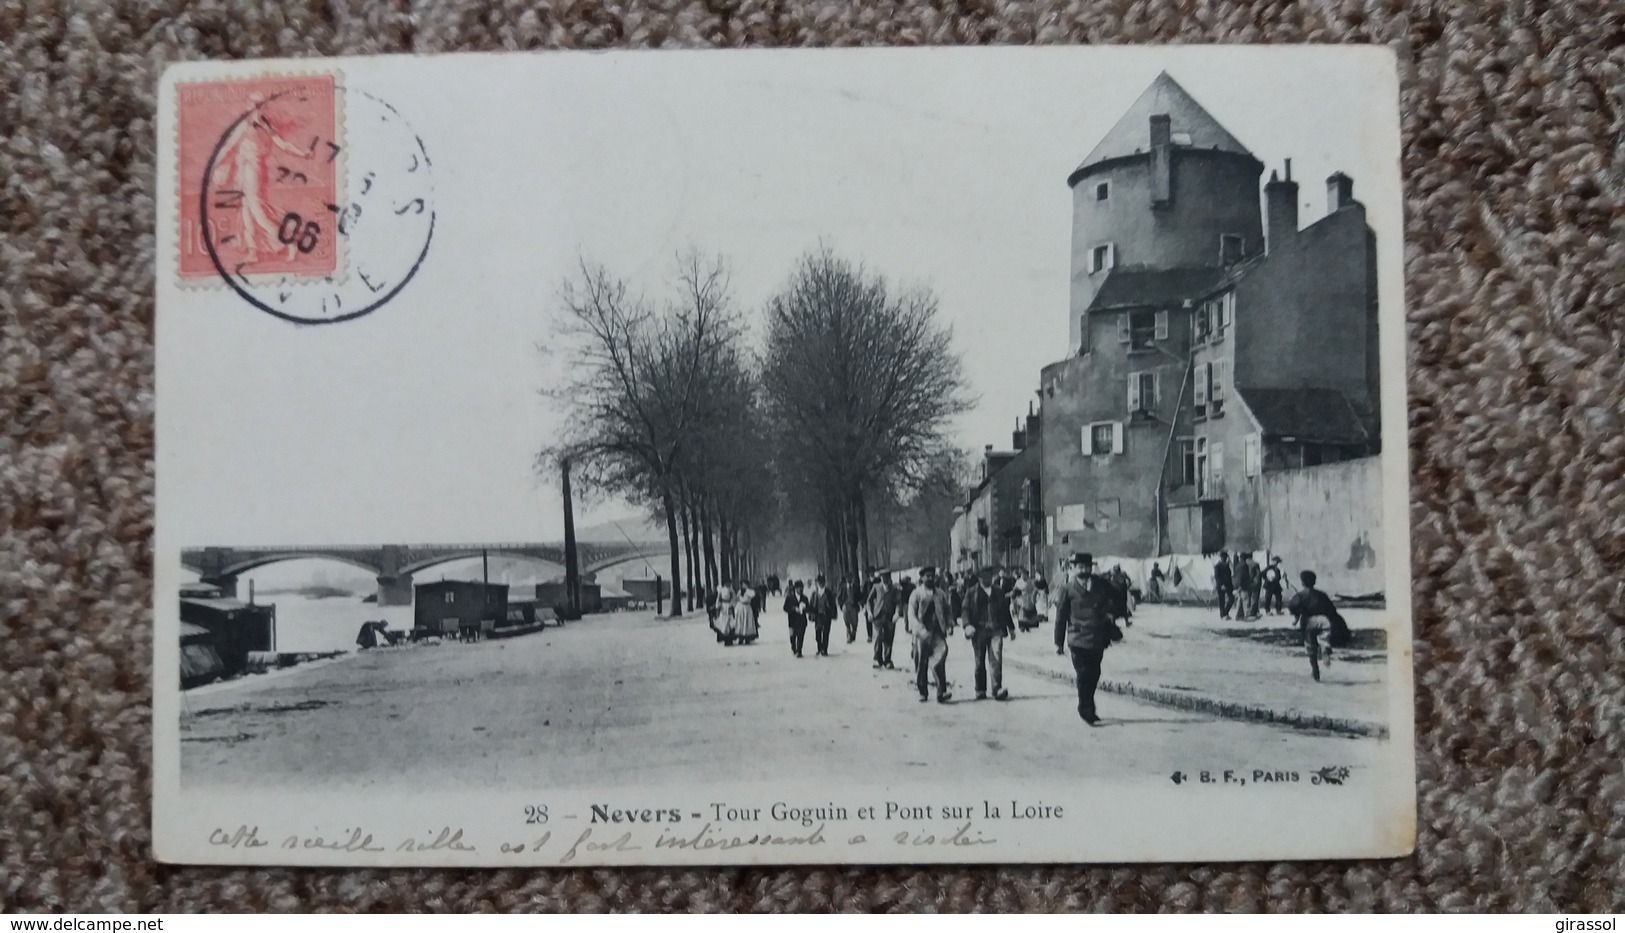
x: 990, y: 606
x: 1087, y: 610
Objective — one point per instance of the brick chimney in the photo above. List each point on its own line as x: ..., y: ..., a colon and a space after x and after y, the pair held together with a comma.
x: 1162, y: 155
x: 1339, y: 192
x: 1280, y: 209
x: 1032, y: 425
x: 1018, y: 437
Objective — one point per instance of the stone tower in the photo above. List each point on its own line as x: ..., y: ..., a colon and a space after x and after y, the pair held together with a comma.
x: 1167, y: 188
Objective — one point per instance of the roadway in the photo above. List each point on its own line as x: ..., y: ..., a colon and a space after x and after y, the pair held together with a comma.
x: 639, y: 701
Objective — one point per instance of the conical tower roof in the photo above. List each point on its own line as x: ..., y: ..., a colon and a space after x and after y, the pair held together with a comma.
x: 1192, y: 126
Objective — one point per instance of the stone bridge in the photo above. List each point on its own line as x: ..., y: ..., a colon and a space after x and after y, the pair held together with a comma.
x: 394, y: 564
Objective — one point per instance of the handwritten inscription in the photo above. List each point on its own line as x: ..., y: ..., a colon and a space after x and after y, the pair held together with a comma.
x: 727, y: 827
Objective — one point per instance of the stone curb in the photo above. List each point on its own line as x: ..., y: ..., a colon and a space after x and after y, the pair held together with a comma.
x: 1244, y: 712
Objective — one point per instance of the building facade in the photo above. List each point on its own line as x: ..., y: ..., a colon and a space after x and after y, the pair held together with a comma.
x: 1203, y: 355
x: 1000, y: 522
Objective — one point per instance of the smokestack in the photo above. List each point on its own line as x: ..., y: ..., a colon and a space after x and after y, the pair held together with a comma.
x: 1280, y: 210
x: 1162, y: 167
x: 1339, y: 192
x: 572, y: 560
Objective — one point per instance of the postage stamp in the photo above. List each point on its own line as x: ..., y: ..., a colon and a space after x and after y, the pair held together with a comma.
x: 312, y: 201
x: 259, y: 161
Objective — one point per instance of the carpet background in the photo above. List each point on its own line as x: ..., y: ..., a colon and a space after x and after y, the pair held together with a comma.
x: 1514, y: 130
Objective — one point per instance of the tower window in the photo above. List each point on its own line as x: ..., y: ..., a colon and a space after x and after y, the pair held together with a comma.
x: 1102, y: 257
x: 1103, y: 191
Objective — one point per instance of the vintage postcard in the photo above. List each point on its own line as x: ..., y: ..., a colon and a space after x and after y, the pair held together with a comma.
x: 751, y: 457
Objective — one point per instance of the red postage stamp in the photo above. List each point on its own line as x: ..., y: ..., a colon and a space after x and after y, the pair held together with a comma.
x: 259, y: 172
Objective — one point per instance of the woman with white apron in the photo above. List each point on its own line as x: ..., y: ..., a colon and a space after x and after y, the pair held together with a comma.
x: 745, y: 627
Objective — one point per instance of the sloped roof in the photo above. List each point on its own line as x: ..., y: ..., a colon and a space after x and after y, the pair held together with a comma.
x: 1324, y: 415
x: 1154, y: 288
x: 223, y: 604
x: 1132, y: 133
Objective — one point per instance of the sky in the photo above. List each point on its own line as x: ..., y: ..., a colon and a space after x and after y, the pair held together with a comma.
x: 941, y: 168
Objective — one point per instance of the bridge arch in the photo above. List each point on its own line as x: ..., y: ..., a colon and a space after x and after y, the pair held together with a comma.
x: 649, y: 554
x: 263, y: 560
x: 426, y: 563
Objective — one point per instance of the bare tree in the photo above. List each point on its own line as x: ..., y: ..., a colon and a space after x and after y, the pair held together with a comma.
x: 916, y: 529
x: 634, y: 393
x: 860, y: 385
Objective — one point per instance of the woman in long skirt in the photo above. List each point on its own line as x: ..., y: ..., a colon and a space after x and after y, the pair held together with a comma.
x: 747, y: 624
x: 726, y: 626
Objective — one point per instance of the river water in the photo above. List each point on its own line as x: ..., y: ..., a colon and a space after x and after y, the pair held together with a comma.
x: 311, y: 625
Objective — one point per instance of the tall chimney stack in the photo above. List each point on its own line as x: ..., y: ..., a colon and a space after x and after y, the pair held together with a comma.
x: 1280, y: 210
x: 1018, y: 437
x: 1162, y: 159
x: 1339, y: 192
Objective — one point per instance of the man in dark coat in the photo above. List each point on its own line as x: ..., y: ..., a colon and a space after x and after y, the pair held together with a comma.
x: 1317, y: 618
x: 883, y: 617
x: 795, y: 607
x: 987, y: 623
x: 851, y: 597
x: 1224, y: 585
x: 1084, y: 625
x: 821, y: 606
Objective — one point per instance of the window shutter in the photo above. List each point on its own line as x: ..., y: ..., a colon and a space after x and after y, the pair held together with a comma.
x: 1117, y: 437
x: 1111, y: 255
x: 1162, y: 324
x: 1220, y: 371
x: 1201, y: 383
x: 1229, y: 305
x: 1134, y: 403
x: 1156, y: 390
x: 1123, y: 328
x: 1215, y: 459
x: 1088, y: 440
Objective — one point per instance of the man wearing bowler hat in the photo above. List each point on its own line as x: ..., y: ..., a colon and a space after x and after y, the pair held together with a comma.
x: 1084, y: 626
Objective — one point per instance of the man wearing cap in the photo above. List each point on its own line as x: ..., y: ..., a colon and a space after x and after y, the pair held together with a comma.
x: 932, y: 620
x: 883, y: 616
x: 1272, y: 588
x: 1083, y: 625
x: 987, y: 624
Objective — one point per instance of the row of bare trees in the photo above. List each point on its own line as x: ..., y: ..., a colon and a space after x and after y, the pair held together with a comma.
x: 843, y: 413
x: 662, y: 411
x: 862, y: 383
